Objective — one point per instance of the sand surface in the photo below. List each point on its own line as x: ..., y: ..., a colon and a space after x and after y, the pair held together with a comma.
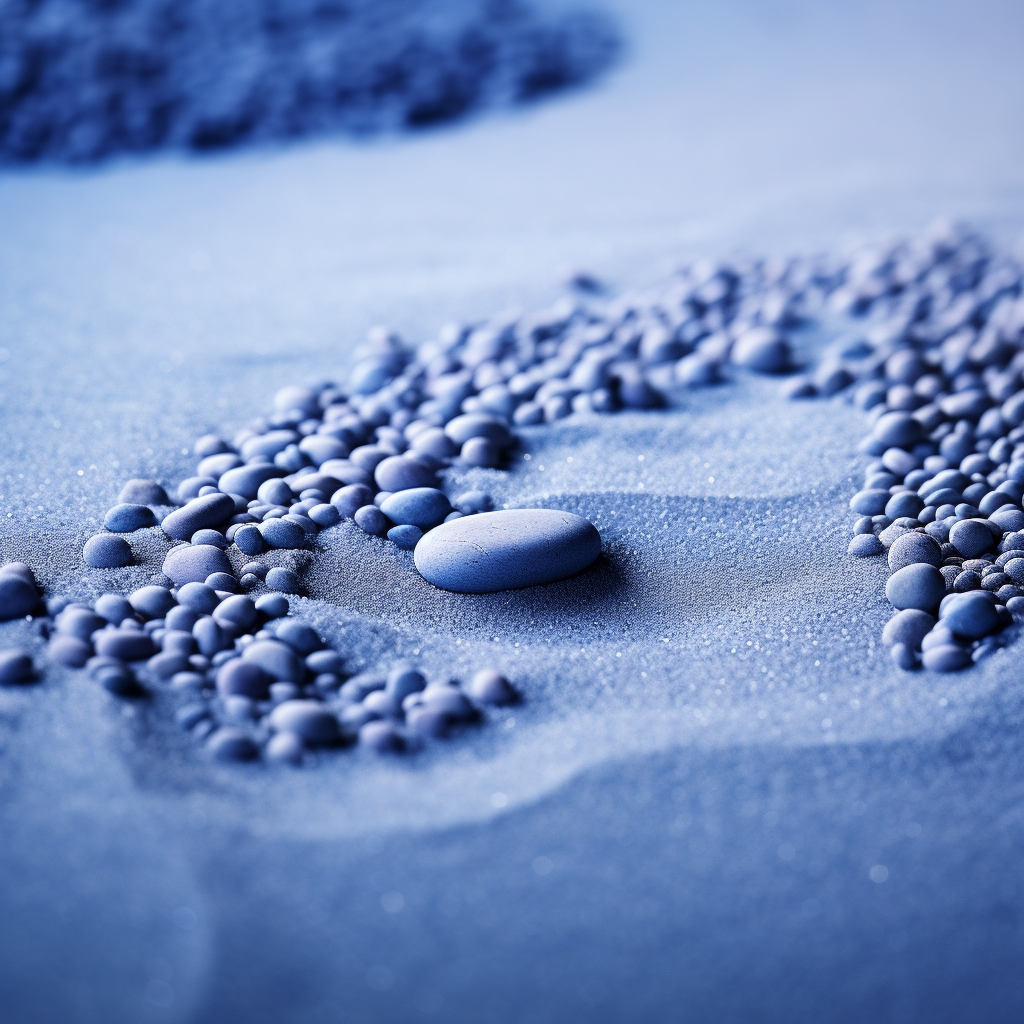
x: 682, y: 818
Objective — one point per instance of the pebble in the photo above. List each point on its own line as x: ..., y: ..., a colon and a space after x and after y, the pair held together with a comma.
x: 246, y: 480
x: 107, y: 551
x: 971, y: 537
x: 16, y: 667
x: 349, y: 499
x: 912, y: 548
x: 272, y: 606
x: 971, y: 615
x: 920, y: 586
x: 424, y: 507
x: 18, y: 593
x: 229, y: 743
x: 946, y: 658
x: 280, y: 533
x: 114, y: 608
x: 238, y: 610
x: 404, y: 679
x: 298, y: 636
x: 153, y: 602
x: 505, y: 550
x: 126, y: 518
x: 307, y: 719
x: 124, y: 644
x: 283, y: 580
x: 864, y: 545
x: 143, y: 492
x: 381, y: 736
x: 762, y: 349
x: 198, y: 597
x: 193, y: 563
x: 405, y: 537
x: 246, y: 678
x: 371, y: 520
x: 489, y: 686
x: 221, y: 583
x: 285, y: 748
x: 276, y: 659
x: 325, y: 515
x: 200, y: 513
x: 402, y: 472
x: 70, y: 650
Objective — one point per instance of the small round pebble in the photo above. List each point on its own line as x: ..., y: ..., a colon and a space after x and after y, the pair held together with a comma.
x: 232, y: 744
x: 282, y: 533
x: 193, y: 563
x: 16, y: 667
x: 919, y: 586
x: 284, y: 748
x: 912, y: 548
x: 401, y: 472
x: 307, y: 719
x: 371, y: 520
x: 864, y: 545
x: 153, y: 602
x: 114, y: 608
x: 488, y: 686
x: 198, y: 597
x: 107, y: 551
x: 946, y: 658
x: 971, y: 537
x: 70, y: 650
x: 379, y: 735
x: 143, y: 492
x: 242, y: 677
x: 126, y: 518
x: 283, y: 580
x: 971, y: 615
x: 276, y: 659
x: 405, y: 537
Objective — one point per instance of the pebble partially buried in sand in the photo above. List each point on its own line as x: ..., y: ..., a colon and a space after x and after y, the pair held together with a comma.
x: 523, y: 547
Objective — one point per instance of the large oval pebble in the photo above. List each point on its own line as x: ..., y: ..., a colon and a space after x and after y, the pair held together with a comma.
x: 522, y: 547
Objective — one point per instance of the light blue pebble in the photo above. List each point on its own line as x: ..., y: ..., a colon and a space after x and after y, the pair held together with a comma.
x: 406, y: 536
x: 126, y: 518
x: 507, y: 549
x: 418, y: 506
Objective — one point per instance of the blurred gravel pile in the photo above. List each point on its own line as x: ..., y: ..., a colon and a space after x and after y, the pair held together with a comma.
x: 81, y: 80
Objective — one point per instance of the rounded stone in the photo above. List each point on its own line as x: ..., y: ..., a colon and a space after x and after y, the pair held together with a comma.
x: 18, y: 596
x: 277, y: 659
x: 307, y: 719
x: 864, y: 545
x: 126, y: 518
x: 193, y: 563
x: 418, y: 506
x: 919, y: 586
x: 946, y: 658
x: 143, y: 492
x: 489, y: 686
x: 971, y: 537
x: 107, y: 551
x: 238, y: 676
x: 971, y: 615
x: 16, y: 667
x: 913, y: 548
x: 201, y: 513
x: 400, y: 473
x: 282, y: 580
x: 505, y: 550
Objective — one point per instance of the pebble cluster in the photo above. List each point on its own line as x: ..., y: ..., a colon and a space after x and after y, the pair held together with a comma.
x: 80, y: 81
x: 252, y: 680
x: 939, y: 370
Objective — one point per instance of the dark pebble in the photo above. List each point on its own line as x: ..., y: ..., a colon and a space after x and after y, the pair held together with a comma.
x: 489, y: 686
x: 307, y: 719
x: 232, y: 744
x: 16, y: 667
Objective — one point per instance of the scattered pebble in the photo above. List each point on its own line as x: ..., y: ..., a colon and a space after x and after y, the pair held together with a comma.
x: 107, y: 551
